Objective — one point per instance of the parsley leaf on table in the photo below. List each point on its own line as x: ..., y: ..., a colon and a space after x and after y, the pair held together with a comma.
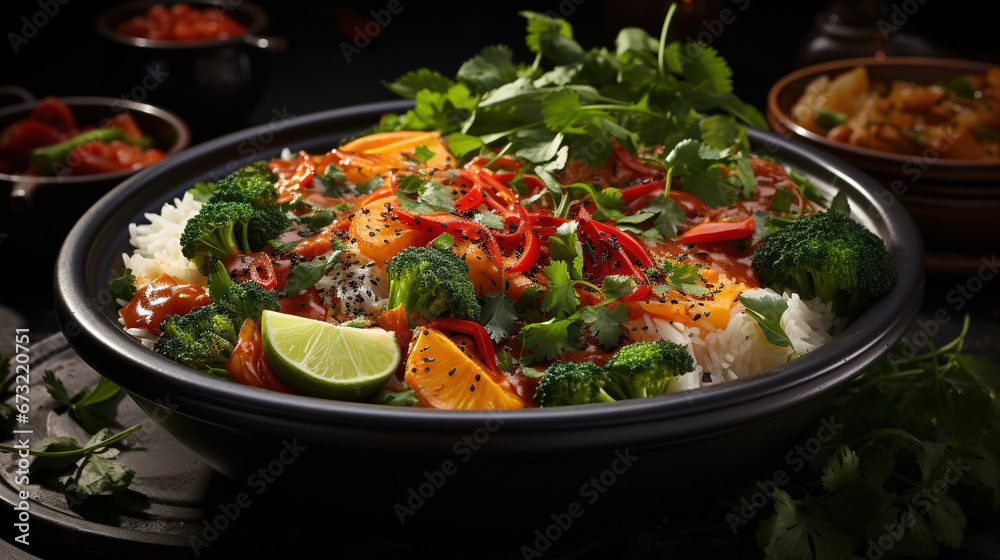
x: 917, y: 451
x: 86, y: 406
x: 92, y: 469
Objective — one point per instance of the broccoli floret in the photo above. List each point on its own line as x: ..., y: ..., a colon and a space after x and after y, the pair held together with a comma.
x: 644, y: 369
x: 223, y: 229
x: 567, y: 383
x: 243, y: 300
x: 247, y: 300
x: 830, y: 256
x: 253, y: 184
x: 203, y: 339
x: 432, y: 282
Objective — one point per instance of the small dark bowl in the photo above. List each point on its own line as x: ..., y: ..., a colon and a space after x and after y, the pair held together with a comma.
x: 378, y: 457
x: 39, y: 211
x: 937, y: 192
x: 169, y: 133
x: 213, y: 83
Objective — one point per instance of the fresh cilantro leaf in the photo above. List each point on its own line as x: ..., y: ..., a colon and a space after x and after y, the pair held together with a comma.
x: 605, y: 324
x: 546, y: 340
x: 63, y: 465
x: 782, y: 200
x: 841, y: 204
x: 608, y: 200
x: 412, y: 183
x: 707, y: 67
x: 202, y: 191
x: 498, y: 315
x: 444, y: 241
x: 698, y: 168
x: 841, y: 468
x: 615, y: 286
x: 722, y: 132
x: 306, y: 274
x: 86, y: 406
x: 488, y: 70
x: 422, y: 154
x: 681, y: 276
x: 123, y: 288
x: 802, y: 532
x: 561, y: 298
x: 321, y: 218
x: 460, y: 144
x: 565, y: 246
x: 564, y: 113
x: 370, y: 186
x: 541, y: 24
x: 536, y: 145
x: 423, y: 79
x: 430, y: 194
x: 767, y: 312
x: 488, y: 219
x: 394, y: 398
x: 334, y: 180
x: 808, y: 189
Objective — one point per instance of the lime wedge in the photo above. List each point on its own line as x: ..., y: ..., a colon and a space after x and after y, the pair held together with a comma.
x: 323, y: 360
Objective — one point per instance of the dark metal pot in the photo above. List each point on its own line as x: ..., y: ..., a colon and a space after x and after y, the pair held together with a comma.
x: 39, y: 211
x: 213, y: 83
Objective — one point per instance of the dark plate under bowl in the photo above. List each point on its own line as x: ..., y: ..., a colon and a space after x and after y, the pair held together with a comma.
x: 377, y: 457
x: 937, y: 192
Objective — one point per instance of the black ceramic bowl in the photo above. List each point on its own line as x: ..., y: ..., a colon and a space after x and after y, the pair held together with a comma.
x: 213, y: 83
x: 485, y: 459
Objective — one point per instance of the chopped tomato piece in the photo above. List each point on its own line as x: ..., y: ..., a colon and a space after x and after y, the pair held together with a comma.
x: 247, y: 364
x: 159, y: 298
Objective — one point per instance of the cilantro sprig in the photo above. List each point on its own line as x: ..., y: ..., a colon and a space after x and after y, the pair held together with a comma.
x: 912, y: 453
x: 574, y: 102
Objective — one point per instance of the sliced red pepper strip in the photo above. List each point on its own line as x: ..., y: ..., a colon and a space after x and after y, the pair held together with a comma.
x: 489, y: 181
x: 706, y: 231
x: 690, y: 203
x: 470, y: 199
x: 504, y: 161
x: 630, y: 161
x: 493, y: 250
x: 532, y: 247
x: 483, y: 342
x: 592, y: 230
x: 632, y: 193
x: 303, y: 175
x: 446, y: 223
x: 628, y: 242
x: 262, y: 272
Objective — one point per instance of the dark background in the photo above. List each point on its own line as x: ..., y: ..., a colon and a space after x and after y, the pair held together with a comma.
x: 764, y: 41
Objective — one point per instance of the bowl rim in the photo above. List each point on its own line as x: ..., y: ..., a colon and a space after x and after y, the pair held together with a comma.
x: 99, y: 339
x: 105, y: 24
x: 171, y: 118
x: 836, y: 66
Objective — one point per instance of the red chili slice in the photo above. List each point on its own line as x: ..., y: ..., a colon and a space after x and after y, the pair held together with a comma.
x: 262, y: 272
x: 706, y: 232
